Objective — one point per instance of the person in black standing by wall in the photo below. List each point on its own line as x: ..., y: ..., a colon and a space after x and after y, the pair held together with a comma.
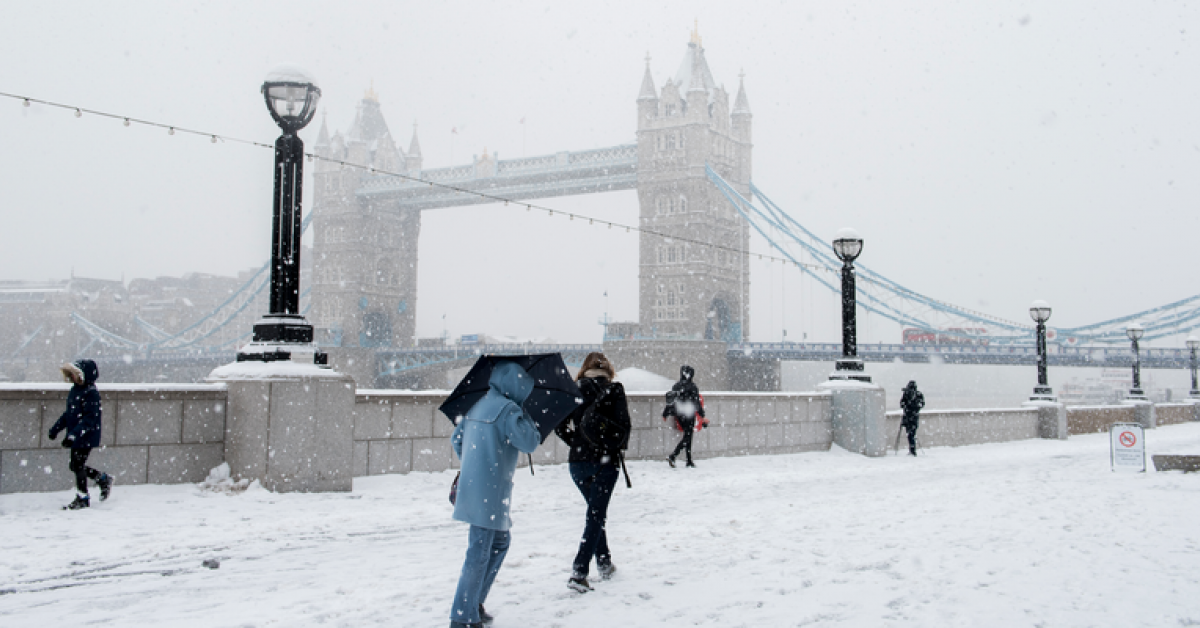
x: 911, y: 401
x: 81, y: 422
x: 595, y: 468
x: 683, y: 403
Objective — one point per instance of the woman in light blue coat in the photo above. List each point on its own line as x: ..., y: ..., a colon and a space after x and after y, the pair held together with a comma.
x: 488, y: 440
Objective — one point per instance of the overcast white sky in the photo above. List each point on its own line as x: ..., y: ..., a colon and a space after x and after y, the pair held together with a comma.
x: 989, y: 153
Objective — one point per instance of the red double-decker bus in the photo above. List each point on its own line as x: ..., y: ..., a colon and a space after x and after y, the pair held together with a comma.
x: 958, y: 336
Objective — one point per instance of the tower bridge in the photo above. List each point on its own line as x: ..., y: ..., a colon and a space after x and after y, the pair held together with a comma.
x: 367, y: 220
x: 691, y: 167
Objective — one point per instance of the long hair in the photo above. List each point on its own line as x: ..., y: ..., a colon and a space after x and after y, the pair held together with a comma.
x: 596, y: 360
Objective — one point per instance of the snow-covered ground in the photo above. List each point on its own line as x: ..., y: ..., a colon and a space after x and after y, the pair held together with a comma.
x: 1033, y: 533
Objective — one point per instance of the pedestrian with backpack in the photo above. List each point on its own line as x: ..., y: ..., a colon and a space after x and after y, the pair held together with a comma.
x: 81, y: 422
x: 597, y: 433
x: 911, y: 401
x: 684, y: 404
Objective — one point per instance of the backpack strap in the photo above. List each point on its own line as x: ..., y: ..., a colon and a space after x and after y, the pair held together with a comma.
x: 621, y: 457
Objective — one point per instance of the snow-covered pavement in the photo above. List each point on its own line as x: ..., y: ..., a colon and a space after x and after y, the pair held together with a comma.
x: 1033, y: 533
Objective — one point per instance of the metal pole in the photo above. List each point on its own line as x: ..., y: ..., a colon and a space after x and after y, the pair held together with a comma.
x: 1195, y: 391
x: 285, y: 244
x: 849, y: 331
x: 1137, y: 370
x: 1041, y: 348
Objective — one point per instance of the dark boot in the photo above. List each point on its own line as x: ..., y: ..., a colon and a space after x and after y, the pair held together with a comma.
x: 671, y: 460
x: 81, y: 502
x: 578, y: 583
x: 606, y: 569
x: 105, y: 483
x: 691, y: 465
x: 485, y: 618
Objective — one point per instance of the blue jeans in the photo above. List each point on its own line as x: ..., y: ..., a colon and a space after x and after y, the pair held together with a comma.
x: 486, y: 549
x: 595, y: 481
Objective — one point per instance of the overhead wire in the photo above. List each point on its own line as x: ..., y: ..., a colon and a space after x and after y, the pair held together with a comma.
x: 342, y: 163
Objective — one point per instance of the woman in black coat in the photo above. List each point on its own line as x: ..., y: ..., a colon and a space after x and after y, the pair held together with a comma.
x: 81, y: 422
x: 595, y: 468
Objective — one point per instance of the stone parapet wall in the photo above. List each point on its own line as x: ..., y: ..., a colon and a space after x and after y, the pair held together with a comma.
x: 157, y: 435
x: 403, y: 431
x: 954, y: 428
x: 1093, y: 419
x: 176, y: 433
x: 1175, y: 413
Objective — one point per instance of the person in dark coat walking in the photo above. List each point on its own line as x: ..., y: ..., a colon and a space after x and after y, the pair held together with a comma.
x: 594, y: 468
x: 911, y: 401
x: 684, y: 405
x: 81, y: 422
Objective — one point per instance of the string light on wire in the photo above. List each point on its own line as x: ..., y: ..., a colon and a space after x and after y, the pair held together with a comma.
x: 342, y: 165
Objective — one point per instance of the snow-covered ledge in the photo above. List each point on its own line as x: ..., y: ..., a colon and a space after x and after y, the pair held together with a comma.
x: 859, y: 416
x: 1143, y: 409
x: 1052, y: 418
x: 290, y: 425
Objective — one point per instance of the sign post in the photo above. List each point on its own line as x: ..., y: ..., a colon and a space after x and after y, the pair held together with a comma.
x: 1128, y: 447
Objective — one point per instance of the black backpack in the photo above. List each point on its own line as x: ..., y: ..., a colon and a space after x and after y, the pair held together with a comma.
x: 598, y: 429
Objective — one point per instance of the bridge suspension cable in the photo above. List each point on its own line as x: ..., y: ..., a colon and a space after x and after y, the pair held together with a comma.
x: 909, y: 308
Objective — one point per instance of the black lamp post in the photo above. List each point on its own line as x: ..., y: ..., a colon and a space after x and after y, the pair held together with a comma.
x: 847, y: 246
x: 291, y: 96
x: 1039, y: 311
x: 1193, y: 343
x: 1135, y: 332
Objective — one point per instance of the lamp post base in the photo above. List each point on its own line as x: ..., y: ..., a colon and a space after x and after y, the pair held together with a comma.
x: 1194, y: 394
x: 1136, y: 393
x: 282, y: 338
x: 283, y: 328
x: 1042, y: 393
x: 850, y: 369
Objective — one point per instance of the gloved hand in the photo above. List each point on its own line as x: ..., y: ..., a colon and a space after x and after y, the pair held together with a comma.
x: 53, y: 433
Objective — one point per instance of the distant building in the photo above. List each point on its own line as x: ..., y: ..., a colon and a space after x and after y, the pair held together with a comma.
x: 44, y: 324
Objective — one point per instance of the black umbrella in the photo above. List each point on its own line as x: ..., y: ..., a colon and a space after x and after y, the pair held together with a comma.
x: 554, y: 393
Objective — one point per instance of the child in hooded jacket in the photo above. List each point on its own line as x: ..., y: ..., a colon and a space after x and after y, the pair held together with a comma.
x: 81, y: 422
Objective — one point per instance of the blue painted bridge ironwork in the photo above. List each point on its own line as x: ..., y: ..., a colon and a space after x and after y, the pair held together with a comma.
x: 397, y: 361
x: 1111, y: 357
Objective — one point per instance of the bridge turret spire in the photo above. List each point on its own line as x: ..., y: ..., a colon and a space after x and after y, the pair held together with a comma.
x: 741, y: 106
x: 648, y: 92
x: 323, y: 135
x: 414, y: 152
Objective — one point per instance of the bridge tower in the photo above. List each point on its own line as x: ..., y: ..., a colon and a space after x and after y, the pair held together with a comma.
x: 689, y: 290
x: 364, y: 250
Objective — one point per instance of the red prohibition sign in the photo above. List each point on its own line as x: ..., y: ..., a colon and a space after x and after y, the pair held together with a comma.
x: 1128, y: 439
